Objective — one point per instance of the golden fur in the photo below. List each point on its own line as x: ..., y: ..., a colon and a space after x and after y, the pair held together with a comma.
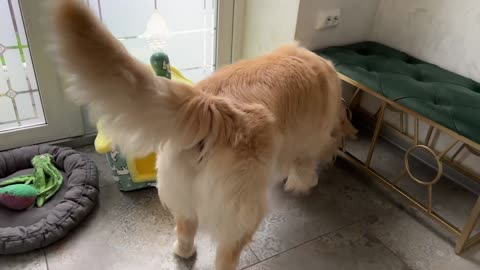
x: 219, y: 144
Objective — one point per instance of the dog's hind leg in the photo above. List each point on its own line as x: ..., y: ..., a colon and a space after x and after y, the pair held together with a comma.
x: 186, y: 229
x: 175, y: 176
x: 302, y: 176
x: 228, y: 254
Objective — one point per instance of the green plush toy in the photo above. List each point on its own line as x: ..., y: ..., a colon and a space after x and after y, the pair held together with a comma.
x: 161, y: 64
x: 21, y: 192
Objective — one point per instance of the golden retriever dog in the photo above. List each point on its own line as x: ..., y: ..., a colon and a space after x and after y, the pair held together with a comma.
x: 221, y: 143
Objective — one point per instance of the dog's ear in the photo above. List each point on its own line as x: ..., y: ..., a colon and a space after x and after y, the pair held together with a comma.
x: 348, y: 130
x: 345, y: 128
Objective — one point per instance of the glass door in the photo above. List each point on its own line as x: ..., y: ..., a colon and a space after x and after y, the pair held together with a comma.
x: 200, y: 31
x: 32, y: 106
x: 192, y: 26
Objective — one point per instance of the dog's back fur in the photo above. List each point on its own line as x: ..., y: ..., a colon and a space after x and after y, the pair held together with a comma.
x: 300, y: 89
x: 219, y: 143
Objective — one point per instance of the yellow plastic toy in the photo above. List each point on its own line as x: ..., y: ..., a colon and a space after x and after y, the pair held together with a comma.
x: 130, y: 173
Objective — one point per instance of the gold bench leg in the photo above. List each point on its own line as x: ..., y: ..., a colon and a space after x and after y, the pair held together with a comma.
x: 464, y: 240
x: 356, y: 97
x: 376, y: 133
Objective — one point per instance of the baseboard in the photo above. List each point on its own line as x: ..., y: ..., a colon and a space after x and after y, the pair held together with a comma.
x: 390, y: 135
x: 76, y: 142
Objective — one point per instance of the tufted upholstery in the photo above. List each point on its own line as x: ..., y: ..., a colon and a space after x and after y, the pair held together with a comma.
x: 440, y: 95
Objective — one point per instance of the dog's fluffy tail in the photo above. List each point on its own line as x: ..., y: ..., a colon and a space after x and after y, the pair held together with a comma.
x: 137, y: 109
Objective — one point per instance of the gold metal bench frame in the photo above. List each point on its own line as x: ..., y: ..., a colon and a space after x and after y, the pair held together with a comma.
x: 463, y: 235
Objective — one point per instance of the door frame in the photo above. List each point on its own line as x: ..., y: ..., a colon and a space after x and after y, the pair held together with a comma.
x: 230, y: 20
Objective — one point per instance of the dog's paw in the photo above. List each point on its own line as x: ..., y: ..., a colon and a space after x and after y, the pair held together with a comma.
x: 299, y: 186
x: 183, y: 250
x: 296, y: 190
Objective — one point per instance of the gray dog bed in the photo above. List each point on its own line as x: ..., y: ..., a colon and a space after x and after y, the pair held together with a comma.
x: 22, y: 231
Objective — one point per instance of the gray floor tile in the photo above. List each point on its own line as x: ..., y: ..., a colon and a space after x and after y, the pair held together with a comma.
x: 422, y: 247
x: 30, y: 261
x: 339, y: 200
x: 351, y: 248
x: 129, y: 231
x: 104, y: 169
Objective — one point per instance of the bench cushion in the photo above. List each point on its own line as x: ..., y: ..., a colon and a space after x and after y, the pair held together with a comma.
x: 440, y: 95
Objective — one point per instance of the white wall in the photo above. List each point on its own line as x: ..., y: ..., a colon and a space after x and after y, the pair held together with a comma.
x: 357, y: 17
x: 443, y: 32
x: 268, y: 24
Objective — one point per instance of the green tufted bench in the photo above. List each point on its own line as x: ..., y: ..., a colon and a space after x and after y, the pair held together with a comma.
x: 442, y: 99
x: 440, y: 95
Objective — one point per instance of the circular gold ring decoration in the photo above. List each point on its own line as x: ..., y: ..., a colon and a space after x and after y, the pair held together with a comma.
x: 349, y: 112
x: 439, y: 165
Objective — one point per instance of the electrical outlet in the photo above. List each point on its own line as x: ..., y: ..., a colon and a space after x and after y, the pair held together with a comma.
x: 328, y: 18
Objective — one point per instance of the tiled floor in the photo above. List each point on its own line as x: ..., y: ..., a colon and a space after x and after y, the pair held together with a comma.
x: 347, y: 222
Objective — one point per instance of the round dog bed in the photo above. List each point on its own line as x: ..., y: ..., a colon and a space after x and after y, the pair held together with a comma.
x: 22, y: 231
